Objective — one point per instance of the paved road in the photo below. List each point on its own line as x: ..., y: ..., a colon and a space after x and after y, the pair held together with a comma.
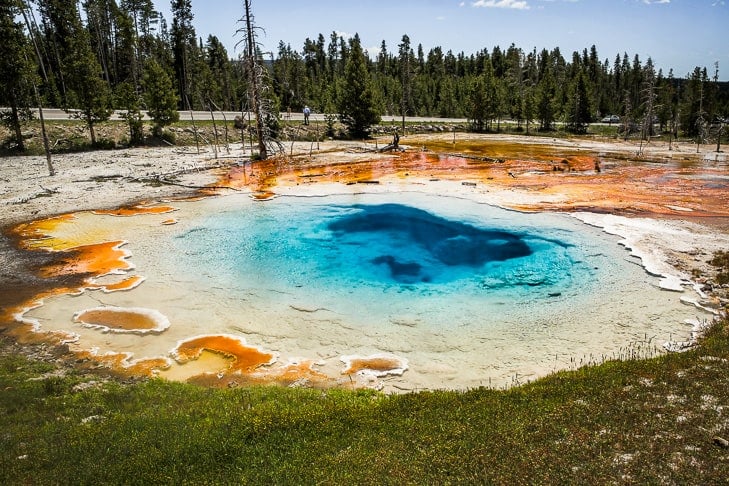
x: 56, y: 114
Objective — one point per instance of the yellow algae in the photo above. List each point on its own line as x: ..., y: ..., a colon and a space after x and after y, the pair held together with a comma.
x: 376, y: 364
x: 207, y: 362
x: 64, y: 232
x: 245, y: 358
x: 135, y: 210
x: 38, y: 234
x: 73, y: 230
x: 123, y: 320
x: 169, y: 222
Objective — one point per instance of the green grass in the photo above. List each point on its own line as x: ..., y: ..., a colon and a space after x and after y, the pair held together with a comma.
x: 646, y: 422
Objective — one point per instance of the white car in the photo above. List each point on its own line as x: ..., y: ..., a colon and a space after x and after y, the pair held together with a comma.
x: 611, y: 119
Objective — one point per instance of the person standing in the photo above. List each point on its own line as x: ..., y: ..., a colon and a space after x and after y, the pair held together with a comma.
x: 307, y: 112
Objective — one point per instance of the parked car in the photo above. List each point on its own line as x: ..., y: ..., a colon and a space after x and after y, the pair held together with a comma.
x: 611, y: 119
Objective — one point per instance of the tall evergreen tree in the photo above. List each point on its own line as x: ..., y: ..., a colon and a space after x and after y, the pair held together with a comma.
x: 184, y: 49
x: 101, y: 18
x: 529, y: 106
x: 127, y: 100
x: 407, y: 71
x: 478, y: 113
x: 668, y: 103
x: 87, y: 95
x: 693, y: 115
x: 546, y: 99
x: 160, y: 97
x: 93, y: 96
x: 60, y: 24
x: 358, y: 108
x: 17, y: 76
x: 221, y: 70
x: 578, y: 110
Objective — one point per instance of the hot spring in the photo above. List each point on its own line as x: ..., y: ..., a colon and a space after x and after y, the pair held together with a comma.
x: 458, y: 292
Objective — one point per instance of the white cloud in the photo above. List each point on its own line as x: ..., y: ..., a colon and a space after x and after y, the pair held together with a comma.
x: 515, y: 4
x: 651, y: 2
x: 372, y: 52
x: 344, y: 35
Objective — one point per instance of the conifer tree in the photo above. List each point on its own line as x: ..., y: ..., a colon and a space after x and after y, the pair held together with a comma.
x: 183, y: 49
x: 92, y: 92
x: 220, y: 67
x: 16, y: 72
x: 128, y: 101
x: 407, y: 70
x: 692, y: 103
x: 578, y: 109
x: 529, y: 106
x: 478, y: 104
x: 358, y: 109
x: 160, y: 97
x: 546, y: 94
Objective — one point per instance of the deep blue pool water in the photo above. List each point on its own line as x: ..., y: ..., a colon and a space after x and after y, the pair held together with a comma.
x: 369, y: 253
x: 417, y: 247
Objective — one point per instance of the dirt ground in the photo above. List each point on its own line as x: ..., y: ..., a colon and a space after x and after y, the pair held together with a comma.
x: 674, y: 184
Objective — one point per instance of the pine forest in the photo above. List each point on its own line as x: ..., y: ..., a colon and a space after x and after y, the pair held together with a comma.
x: 102, y: 55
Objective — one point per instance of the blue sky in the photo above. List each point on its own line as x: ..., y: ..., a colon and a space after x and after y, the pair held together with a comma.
x: 678, y: 34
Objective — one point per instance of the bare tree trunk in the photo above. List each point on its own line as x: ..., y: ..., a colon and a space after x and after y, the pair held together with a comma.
x: 194, y: 127
x: 225, y: 124
x: 16, y: 127
x: 46, y: 144
x: 718, y: 137
x: 92, y: 132
x: 254, y: 83
x: 215, y: 130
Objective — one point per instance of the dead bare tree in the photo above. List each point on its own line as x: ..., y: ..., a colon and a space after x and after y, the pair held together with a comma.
x: 44, y: 133
x: 649, y: 96
x: 257, y: 86
x: 700, y: 120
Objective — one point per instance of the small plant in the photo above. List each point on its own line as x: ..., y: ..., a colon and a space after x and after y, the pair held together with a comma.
x: 169, y: 136
x: 721, y: 261
x: 54, y: 386
x: 104, y: 144
x: 330, y: 121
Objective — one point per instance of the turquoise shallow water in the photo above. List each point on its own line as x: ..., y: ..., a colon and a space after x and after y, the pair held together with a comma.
x: 370, y: 256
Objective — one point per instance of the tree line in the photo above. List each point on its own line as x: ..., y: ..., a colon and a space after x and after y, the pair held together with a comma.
x: 95, y: 56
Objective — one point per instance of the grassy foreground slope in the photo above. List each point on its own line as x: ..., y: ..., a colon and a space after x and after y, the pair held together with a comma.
x: 660, y: 420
